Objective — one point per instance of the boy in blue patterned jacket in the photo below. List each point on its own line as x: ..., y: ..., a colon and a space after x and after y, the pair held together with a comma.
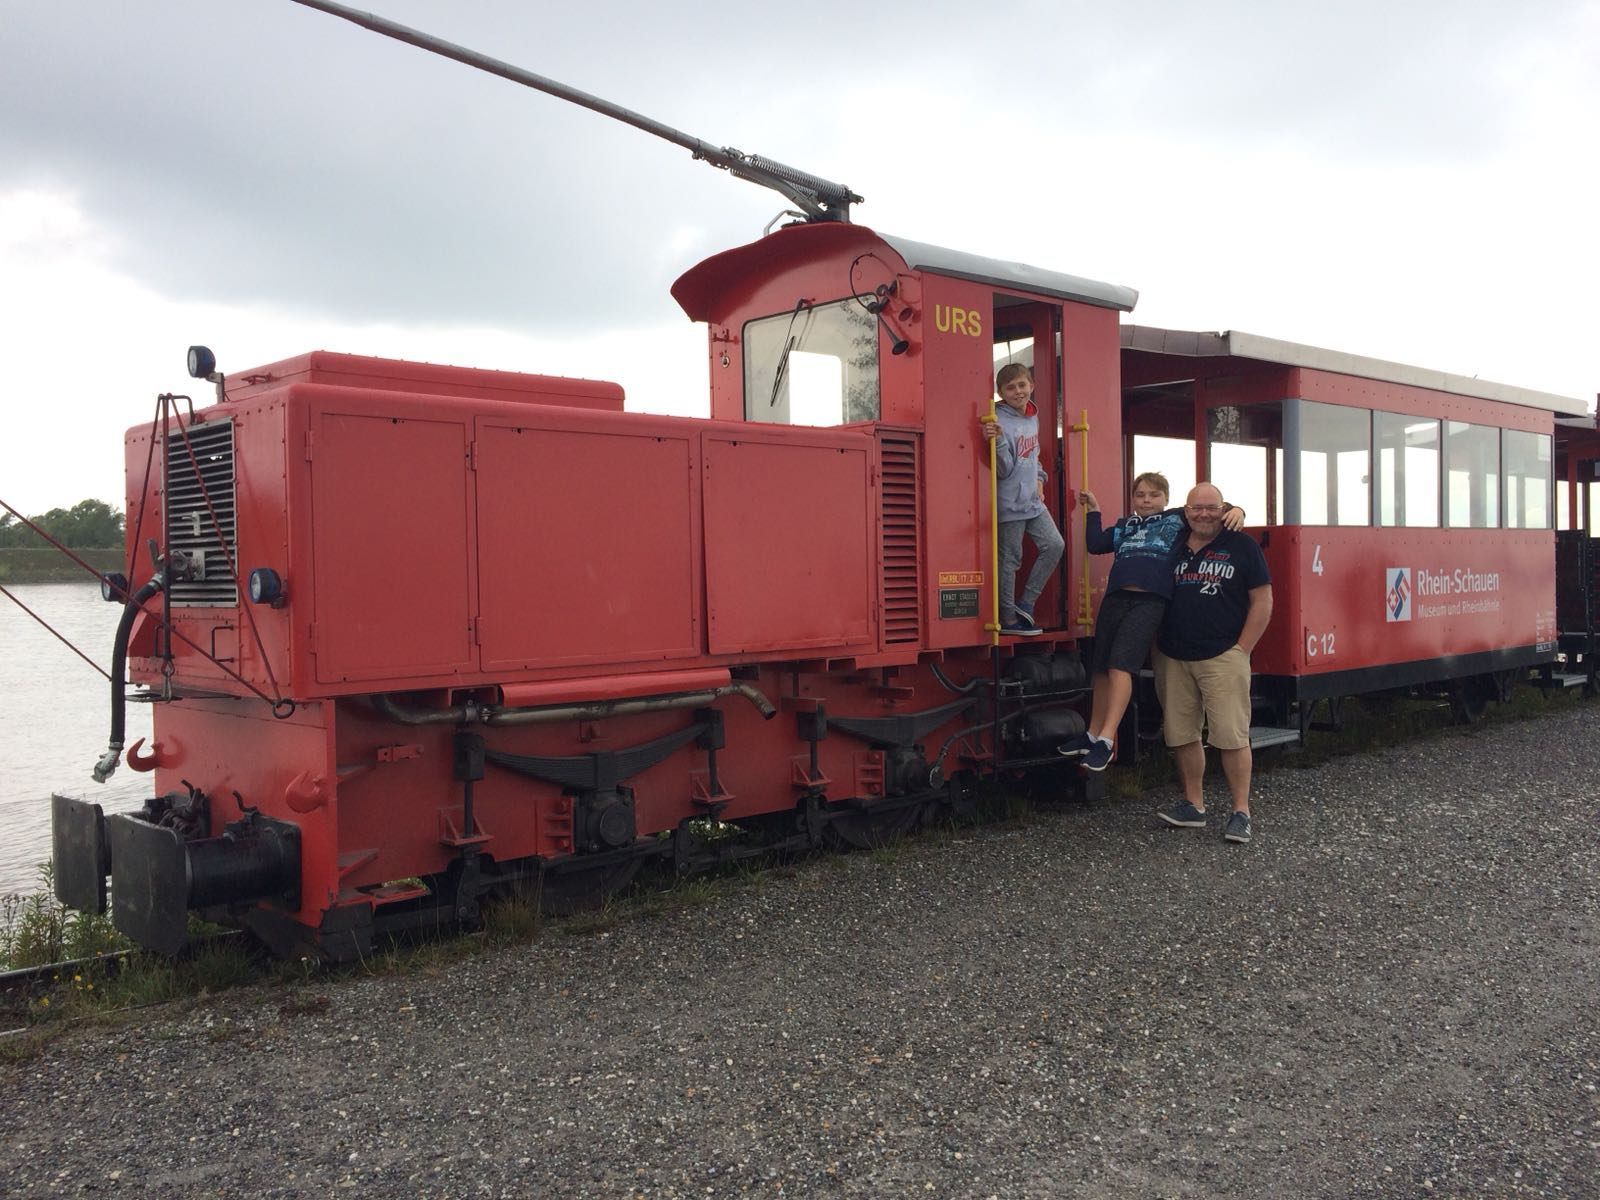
x: 1135, y: 602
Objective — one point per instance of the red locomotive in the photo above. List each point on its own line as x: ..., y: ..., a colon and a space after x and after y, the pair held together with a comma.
x: 469, y: 627
x: 417, y: 633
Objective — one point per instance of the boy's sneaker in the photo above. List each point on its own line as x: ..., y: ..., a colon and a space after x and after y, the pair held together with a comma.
x: 1015, y: 628
x: 1075, y: 745
x: 1099, y: 756
x: 1187, y: 816
x: 1238, y: 828
x: 1025, y: 616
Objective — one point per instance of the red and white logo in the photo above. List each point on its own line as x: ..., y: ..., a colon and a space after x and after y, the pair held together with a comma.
x: 1397, y: 598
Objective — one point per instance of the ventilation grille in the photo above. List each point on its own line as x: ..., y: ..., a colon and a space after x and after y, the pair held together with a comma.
x: 902, y: 597
x: 190, y: 526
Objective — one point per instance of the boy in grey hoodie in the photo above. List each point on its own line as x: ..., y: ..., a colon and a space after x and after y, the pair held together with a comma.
x: 1014, y: 429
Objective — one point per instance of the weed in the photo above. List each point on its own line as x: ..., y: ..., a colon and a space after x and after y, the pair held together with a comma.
x: 512, y: 919
x: 228, y: 963
x: 37, y: 929
x: 26, y: 1044
x: 141, y: 980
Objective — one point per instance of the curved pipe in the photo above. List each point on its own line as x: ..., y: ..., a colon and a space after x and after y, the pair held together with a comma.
x: 970, y: 729
x: 950, y: 685
x: 119, y: 671
x: 489, y: 715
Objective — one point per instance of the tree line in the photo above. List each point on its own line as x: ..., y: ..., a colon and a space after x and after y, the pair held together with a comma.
x: 88, y: 524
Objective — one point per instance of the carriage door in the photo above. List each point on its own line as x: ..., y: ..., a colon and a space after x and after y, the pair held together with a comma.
x: 1029, y: 332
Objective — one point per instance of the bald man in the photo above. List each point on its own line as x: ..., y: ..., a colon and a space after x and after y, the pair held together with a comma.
x: 1220, y: 607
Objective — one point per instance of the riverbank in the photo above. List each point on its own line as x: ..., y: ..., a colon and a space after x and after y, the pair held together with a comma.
x: 45, y: 564
x: 1388, y: 993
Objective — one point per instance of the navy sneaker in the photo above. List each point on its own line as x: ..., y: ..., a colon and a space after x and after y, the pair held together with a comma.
x: 1099, y: 756
x: 1015, y: 628
x: 1238, y: 828
x: 1074, y: 746
x: 1025, y: 616
x: 1187, y: 816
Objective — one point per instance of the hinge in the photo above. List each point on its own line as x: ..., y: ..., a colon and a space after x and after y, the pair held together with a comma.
x: 472, y: 455
x: 311, y: 637
x: 475, y: 630
x: 310, y: 439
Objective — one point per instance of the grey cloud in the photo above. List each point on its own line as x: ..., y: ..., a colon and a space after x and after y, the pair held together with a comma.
x: 261, y: 151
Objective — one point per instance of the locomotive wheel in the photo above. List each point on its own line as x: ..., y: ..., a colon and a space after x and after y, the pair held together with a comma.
x: 864, y: 829
x: 583, y: 889
x: 1469, y: 698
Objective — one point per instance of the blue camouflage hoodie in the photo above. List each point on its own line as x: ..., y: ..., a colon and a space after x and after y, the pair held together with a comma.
x: 1145, y: 547
x: 1017, y: 468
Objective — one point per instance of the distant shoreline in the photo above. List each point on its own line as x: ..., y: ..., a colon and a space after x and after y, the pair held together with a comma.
x: 42, y: 564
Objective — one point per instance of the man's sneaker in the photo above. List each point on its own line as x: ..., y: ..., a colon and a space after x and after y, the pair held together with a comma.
x: 1025, y: 616
x: 1074, y: 746
x: 1015, y: 628
x: 1238, y: 828
x: 1187, y: 816
x: 1099, y: 756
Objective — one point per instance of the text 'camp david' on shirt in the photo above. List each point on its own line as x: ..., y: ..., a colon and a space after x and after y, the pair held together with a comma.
x: 1211, y: 596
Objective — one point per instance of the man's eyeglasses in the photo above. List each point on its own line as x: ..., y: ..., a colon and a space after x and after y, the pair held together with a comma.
x: 1203, y: 508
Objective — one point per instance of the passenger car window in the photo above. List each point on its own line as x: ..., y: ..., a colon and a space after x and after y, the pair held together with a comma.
x: 1407, y: 476
x: 1472, y: 475
x: 1334, y: 460
x: 1527, y: 479
x: 1244, y: 453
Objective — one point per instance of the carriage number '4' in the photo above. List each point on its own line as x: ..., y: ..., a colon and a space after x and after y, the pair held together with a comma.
x: 1319, y: 644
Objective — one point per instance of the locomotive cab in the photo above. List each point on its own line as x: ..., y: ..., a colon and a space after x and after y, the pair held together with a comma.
x: 835, y: 325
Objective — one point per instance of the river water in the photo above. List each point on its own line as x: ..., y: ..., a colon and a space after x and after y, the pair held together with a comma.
x: 55, y: 719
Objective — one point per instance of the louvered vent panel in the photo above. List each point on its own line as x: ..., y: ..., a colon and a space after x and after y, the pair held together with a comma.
x: 902, y: 607
x: 190, y: 524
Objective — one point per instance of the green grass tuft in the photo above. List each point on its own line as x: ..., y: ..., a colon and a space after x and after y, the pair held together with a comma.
x: 37, y: 929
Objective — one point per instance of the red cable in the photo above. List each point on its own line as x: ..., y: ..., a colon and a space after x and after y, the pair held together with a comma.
x: 57, y: 636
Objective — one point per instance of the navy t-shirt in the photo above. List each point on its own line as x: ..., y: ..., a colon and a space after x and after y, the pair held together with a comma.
x: 1211, y: 595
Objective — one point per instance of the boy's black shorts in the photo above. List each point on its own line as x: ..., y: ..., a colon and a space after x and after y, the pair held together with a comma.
x: 1125, y: 630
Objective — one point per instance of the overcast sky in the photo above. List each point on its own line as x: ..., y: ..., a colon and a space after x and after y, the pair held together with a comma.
x: 1408, y: 180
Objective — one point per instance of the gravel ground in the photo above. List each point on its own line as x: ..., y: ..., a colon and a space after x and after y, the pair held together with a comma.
x: 1391, y: 992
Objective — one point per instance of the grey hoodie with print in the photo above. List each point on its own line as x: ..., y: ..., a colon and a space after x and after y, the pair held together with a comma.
x: 1018, y: 472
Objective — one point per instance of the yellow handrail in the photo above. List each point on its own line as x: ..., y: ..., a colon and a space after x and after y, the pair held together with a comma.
x: 994, y: 534
x: 1086, y: 593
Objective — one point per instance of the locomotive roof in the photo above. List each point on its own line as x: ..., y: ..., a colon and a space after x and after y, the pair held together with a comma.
x: 1234, y: 344
x: 698, y: 287
x: 1000, y: 273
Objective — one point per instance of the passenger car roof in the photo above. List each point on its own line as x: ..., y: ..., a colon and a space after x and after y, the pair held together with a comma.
x: 1233, y: 343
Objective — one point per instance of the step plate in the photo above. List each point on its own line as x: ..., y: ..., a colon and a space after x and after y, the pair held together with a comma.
x: 1263, y: 736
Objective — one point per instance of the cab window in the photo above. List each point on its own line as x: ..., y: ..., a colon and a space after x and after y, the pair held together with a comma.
x: 814, y: 365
